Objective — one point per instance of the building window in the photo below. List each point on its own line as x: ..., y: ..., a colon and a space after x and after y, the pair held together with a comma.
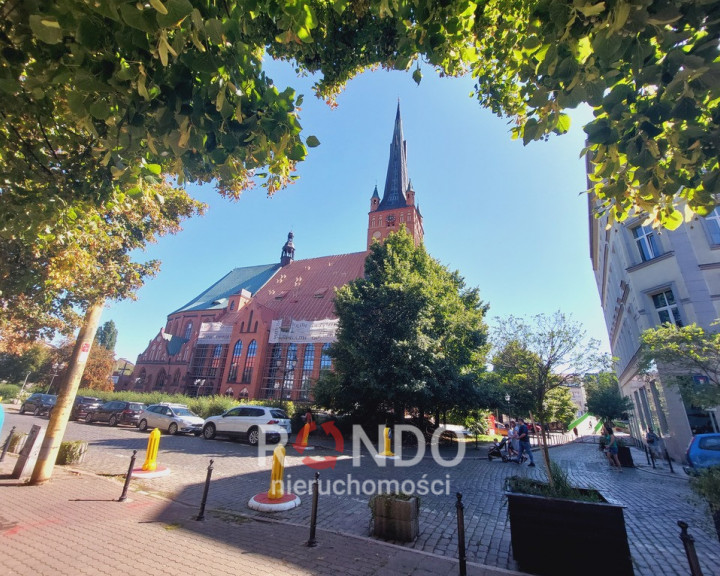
x: 199, y: 360
x: 713, y: 224
x: 325, y: 360
x: 667, y: 308
x: 646, y: 242
x: 249, y: 362
x: 188, y: 330
x: 235, y: 361
x: 307, y: 369
x: 215, y: 363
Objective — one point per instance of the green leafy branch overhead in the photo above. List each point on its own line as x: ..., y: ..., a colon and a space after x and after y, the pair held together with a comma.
x: 177, y: 87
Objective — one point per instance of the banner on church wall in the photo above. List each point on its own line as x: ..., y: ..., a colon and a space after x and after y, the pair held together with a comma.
x: 301, y: 331
x: 214, y: 333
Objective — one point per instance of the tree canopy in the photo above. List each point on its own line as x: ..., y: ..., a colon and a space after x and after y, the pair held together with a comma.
x: 603, y: 397
x: 107, y: 335
x: 689, y: 357
x: 177, y: 87
x: 411, y: 336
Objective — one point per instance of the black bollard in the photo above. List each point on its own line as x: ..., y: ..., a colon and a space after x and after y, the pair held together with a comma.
x: 7, y: 444
x: 669, y: 461
x: 312, y: 542
x: 123, y: 496
x: 689, y: 543
x: 201, y: 516
x: 461, y: 533
x: 647, y: 454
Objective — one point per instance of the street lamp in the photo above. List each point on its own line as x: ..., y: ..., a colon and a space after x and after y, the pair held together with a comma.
x: 507, y: 399
x: 199, y: 384
x: 55, y: 367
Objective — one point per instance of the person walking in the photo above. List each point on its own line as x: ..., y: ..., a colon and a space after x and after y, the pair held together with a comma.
x: 611, y: 448
x: 513, y: 442
x: 524, y: 441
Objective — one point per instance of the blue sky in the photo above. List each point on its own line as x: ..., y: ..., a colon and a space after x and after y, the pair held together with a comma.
x: 511, y: 218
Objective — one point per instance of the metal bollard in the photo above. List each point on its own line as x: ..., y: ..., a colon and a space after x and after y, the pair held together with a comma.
x: 312, y: 542
x: 689, y: 543
x: 201, y: 516
x: 461, y: 533
x: 7, y: 444
x: 669, y: 461
x: 123, y: 496
x: 647, y: 453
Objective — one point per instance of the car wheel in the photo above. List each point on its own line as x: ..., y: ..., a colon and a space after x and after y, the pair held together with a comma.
x: 37, y: 411
x: 208, y: 431
x: 172, y: 429
x: 142, y: 425
x: 253, y: 436
x: 113, y: 420
x: 22, y: 409
x: 88, y: 418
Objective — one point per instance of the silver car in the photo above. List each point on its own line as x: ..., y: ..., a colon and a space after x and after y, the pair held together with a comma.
x: 248, y: 422
x: 172, y: 418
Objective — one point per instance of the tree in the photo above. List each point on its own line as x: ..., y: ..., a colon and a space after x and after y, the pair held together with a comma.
x: 99, y: 367
x: 16, y: 367
x: 559, y: 406
x: 540, y: 356
x: 411, y: 336
x: 107, y: 335
x: 603, y: 397
x: 690, y: 358
x: 177, y: 87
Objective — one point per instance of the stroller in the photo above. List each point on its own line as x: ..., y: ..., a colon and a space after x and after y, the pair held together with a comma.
x: 508, y: 455
x: 496, y: 451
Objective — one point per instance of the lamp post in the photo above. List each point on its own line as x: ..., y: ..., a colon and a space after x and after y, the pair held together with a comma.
x: 55, y: 367
x: 199, y: 383
x: 507, y: 399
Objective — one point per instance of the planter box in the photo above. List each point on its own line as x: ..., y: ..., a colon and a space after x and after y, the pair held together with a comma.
x: 554, y: 537
x: 625, y: 457
x: 395, y: 519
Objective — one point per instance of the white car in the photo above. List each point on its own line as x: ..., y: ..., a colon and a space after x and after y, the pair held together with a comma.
x: 173, y: 418
x: 249, y: 422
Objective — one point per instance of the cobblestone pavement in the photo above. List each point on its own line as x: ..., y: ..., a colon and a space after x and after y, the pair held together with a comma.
x: 654, y: 500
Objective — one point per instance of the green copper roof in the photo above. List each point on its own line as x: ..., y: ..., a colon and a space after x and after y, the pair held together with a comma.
x: 250, y: 278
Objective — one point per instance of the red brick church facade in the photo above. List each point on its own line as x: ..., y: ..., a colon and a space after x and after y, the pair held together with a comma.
x: 264, y: 331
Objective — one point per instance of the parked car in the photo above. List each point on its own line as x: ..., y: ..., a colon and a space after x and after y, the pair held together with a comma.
x: 38, y: 404
x: 703, y: 451
x: 172, y: 418
x: 81, y: 406
x: 116, y: 412
x: 248, y: 422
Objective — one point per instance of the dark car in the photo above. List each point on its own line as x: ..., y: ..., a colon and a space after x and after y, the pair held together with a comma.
x: 82, y: 405
x: 38, y: 404
x: 116, y: 412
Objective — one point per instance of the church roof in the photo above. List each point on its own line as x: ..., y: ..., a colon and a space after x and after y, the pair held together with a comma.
x: 250, y: 278
x: 396, y: 182
x: 305, y: 289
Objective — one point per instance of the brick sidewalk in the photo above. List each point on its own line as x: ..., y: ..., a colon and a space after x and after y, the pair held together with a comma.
x: 74, y: 525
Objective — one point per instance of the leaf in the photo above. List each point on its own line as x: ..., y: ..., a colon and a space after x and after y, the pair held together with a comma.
x: 154, y: 168
x: 417, y: 75
x: 100, y: 110
x: 672, y: 220
x: 159, y: 6
x: 46, y: 29
x: 312, y: 142
x: 563, y: 123
x: 592, y: 9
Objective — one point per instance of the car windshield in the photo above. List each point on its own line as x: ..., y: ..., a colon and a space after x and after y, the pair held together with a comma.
x: 133, y: 406
x: 49, y: 398
x: 184, y: 412
x: 276, y: 413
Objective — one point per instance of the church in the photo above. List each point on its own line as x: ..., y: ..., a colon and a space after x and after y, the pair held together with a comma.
x: 264, y: 331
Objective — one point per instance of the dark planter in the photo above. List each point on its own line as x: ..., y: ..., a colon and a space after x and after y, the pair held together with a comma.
x: 555, y: 537
x: 625, y: 457
x: 395, y: 519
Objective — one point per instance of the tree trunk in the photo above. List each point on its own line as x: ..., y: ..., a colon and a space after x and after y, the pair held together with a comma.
x: 61, y: 412
x: 545, y: 451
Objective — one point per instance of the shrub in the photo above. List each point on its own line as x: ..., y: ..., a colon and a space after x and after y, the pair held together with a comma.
x: 561, y: 487
x: 71, y: 452
x: 706, y: 483
x: 8, y: 392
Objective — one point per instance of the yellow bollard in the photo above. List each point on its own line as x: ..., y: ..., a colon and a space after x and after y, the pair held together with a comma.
x: 276, y: 476
x: 152, y: 450
x: 388, y: 439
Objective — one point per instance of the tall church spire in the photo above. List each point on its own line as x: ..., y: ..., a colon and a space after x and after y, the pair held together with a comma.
x: 396, y: 182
